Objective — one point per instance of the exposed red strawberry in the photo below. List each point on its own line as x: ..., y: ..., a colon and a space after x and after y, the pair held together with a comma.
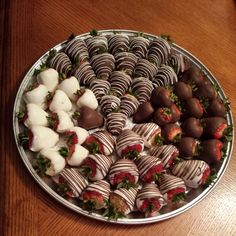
x: 162, y: 116
x: 153, y: 173
x: 93, y: 145
x: 124, y: 179
x: 89, y: 167
x: 205, y: 176
x: 220, y: 131
x: 171, y: 133
x: 71, y: 138
x: 176, y: 194
x: 150, y: 205
x: 93, y: 198
x: 63, y: 189
x: 132, y: 152
x: 53, y: 121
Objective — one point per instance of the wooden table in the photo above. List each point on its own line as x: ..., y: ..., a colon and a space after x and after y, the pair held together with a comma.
x: 29, y: 28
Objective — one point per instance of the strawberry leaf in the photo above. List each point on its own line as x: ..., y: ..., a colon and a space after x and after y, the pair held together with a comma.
x: 179, y: 197
x: 210, y: 179
x: 126, y: 184
x: 93, y: 32
x: 111, y: 213
x: 158, y: 140
x: 64, y: 151
x: 42, y: 164
x: 23, y: 139
x: 20, y: 115
x: 167, y: 38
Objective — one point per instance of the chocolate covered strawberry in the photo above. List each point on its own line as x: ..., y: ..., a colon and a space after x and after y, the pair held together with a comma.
x: 211, y: 151
x: 123, y: 174
x: 176, y: 113
x: 60, y: 121
x: 100, y: 142
x: 129, y: 144
x: 161, y: 97
x: 86, y: 98
x: 70, y: 182
x: 193, y: 108
x: 216, y: 108
x: 37, y: 95
x: 96, y: 166
x: 150, y: 168
x: 194, y: 172
x: 76, y: 135
x: 70, y: 86
x: 162, y: 116
x: 128, y: 105
x: 192, y: 127
x: 60, y: 102
x: 171, y: 133
x: 115, y: 122
x: 100, y: 88
x: 144, y: 113
x: 149, y: 200
x: 121, y: 203
x: 214, y: 127
x: 149, y: 132
x: 97, y: 44
x: 50, y: 78
x: 166, y: 153
x: 49, y: 162
x: 205, y: 91
x: 109, y: 103
x: 173, y: 188
x: 182, y: 90
x: 118, y: 43
x: 96, y: 195
x: 34, y: 115
x: 188, y: 147
x: 88, y: 118
x: 38, y: 137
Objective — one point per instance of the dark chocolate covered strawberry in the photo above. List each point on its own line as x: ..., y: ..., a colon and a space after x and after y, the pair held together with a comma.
x: 194, y: 172
x: 193, y: 108
x: 192, y: 127
x: 161, y: 97
x: 171, y: 133
x: 121, y: 203
x: 173, y: 188
x: 211, y: 151
x: 150, y: 168
x: 162, y: 116
x: 109, y: 103
x: 70, y: 182
x: 96, y: 166
x: 118, y: 43
x: 176, y: 113
x: 129, y: 144
x: 188, y: 147
x: 97, y: 44
x: 166, y: 153
x: 129, y: 104
x: 149, y: 132
x: 96, y: 195
x: 115, y: 122
x: 100, y: 142
x: 216, y: 108
x: 205, y: 91
x: 214, y: 127
x: 144, y: 113
x: 123, y: 174
x: 88, y: 118
x: 182, y: 90
x: 149, y: 200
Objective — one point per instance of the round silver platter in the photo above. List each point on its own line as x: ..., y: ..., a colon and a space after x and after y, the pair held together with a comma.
x: 193, y: 197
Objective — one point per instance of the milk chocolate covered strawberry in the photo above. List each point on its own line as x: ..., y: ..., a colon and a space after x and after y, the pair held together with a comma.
x: 118, y: 43
x: 182, y: 90
x: 171, y: 133
x: 144, y: 113
x: 123, y: 174
x: 100, y: 88
x: 139, y: 46
x: 129, y: 104
x: 192, y: 127
x: 115, y: 122
x: 97, y: 44
x: 149, y: 200
x: 129, y: 144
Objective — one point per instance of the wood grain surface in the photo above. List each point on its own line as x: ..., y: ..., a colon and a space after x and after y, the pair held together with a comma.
x: 207, y: 28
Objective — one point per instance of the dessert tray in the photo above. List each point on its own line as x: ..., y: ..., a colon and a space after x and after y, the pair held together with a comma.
x: 123, y: 126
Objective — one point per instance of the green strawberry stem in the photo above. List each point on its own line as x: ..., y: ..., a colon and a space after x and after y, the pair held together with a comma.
x: 228, y: 134
x: 23, y: 139
x: 93, y: 32
x: 51, y: 54
x: 126, y: 184
x: 177, y: 160
x: 167, y: 38
x: 111, y: 213
x: 87, y: 170
x: 158, y: 140
x: 132, y: 154
x: 179, y: 197
x: 62, y: 189
x: 42, y: 164
x: 76, y: 115
x: 94, y: 148
x: 64, y: 151
x: 210, y: 179
x: 72, y: 36
x: 20, y: 115
x: 89, y: 205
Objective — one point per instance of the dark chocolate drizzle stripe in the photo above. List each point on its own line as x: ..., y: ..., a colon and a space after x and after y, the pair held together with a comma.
x: 188, y: 170
x: 100, y: 186
x: 123, y: 165
x: 159, y: 50
x: 74, y: 179
x: 139, y: 46
x: 106, y: 139
x: 165, y: 153
x: 118, y: 43
x: 77, y: 50
x: 176, y: 61
x: 147, y: 130
x: 149, y: 191
x: 145, y: 163
x: 145, y: 68
x: 109, y: 103
x: 120, y: 82
x: 127, y: 138
x: 61, y: 62
x: 142, y: 88
x: 103, y: 65
x: 128, y: 195
x: 126, y: 61
x: 129, y: 104
x: 84, y: 74
x: 100, y: 88
x: 165, y: 76
x: 170, y: 182
x: 103, y: 163
x: 97, y: 45
x: 116, y: 122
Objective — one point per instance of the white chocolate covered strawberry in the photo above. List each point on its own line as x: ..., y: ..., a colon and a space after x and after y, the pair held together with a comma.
x: 76, y: 135
x: 87, y: 98
x: 77, y: 154
x: 50, y: 78
x: 60, y: 101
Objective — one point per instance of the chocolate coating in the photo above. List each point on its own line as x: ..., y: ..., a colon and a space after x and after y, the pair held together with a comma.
x: 144, y: 113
